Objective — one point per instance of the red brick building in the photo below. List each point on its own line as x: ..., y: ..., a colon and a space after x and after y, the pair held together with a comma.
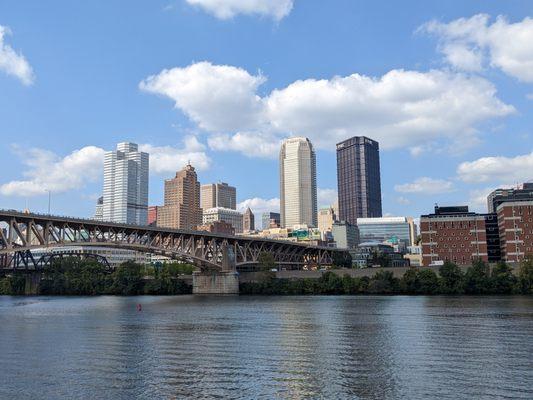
x: 152, y: 215
x: 453, y: 234
x: 515, y: 222
x: 221, y: 227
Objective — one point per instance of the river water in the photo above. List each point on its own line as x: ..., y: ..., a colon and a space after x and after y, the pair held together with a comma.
x: 368, y: 347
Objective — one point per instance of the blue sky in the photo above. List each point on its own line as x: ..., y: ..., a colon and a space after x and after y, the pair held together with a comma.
x: 445, y: 87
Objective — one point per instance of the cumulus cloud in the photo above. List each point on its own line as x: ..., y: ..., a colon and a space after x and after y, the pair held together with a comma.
x: 46, y: 171
x: 216, y: 97
x: 473, y: 43
x: 251, y: 144
x: 500, y: 169
x: 426, y: 185
x: 326, y: 197
x: 226, y: 9
x: 169, y: 159
x: 13, y: 63
x: 259, y: 205
x: 478, y: 199
x: 400, y: 109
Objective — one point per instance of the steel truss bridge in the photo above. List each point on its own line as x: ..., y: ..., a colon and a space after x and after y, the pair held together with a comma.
x: 20, y: 233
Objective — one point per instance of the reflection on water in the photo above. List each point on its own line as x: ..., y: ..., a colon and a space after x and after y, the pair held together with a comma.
x: 265, y: 347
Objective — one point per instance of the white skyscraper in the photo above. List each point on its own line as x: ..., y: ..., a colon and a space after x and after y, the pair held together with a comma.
x: 126, y: 185
x: 298, y: 195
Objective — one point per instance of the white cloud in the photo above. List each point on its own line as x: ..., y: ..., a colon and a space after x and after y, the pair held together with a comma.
x: 259, y: 205
x: 226, y: 9
x: 45, y: 171
x: 500, y: 169
x: 13, y: 63
x: 472, y: 43
x: 426, y: 185
x: 251, y: 144
x: 399, y: 109
x: 326, y: 197
x: 169, y: 159
x: 478, y: 199
x: 529, y: 96
x: 216, y: 97
x: 403, y: 201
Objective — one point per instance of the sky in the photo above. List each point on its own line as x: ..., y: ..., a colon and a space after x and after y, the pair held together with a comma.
x: 445, y: 87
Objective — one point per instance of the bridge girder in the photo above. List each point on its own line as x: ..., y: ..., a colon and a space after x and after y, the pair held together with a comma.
x: 208, y: 251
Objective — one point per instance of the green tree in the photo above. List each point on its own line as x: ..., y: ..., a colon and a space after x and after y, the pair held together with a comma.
x: 428, y: 282
x: 502, y: 280
x: 383, y: 282
x: 525, y: 276
x: 452, y: 278
x: 330, y: 283
x: 477, y: 278
x: 127, y: 279
x: 409, y: 282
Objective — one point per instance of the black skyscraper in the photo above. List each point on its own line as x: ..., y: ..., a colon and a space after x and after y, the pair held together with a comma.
x: 358, y: 179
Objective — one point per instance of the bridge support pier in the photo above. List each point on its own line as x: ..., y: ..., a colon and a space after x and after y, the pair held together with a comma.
x: 206, y: 282
x: 33, y: 283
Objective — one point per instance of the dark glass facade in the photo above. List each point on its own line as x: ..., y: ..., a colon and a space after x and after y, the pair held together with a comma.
x: 358, y: 179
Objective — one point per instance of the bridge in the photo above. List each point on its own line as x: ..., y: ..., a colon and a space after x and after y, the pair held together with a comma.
x: 217, y: 256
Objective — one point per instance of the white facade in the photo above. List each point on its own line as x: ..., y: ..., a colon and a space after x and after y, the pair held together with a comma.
x: 99, y: 211
x: 298, y: 193
x: 230, y: 216
x: 126, y: 185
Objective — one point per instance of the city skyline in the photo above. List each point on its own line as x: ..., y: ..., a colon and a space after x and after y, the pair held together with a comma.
x: 55, y: 145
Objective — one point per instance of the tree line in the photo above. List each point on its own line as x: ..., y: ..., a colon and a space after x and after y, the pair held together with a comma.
x: 479, y: 279
x: 72, y: 276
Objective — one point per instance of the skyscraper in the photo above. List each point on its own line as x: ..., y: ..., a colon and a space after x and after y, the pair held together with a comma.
x: 218, y: 195
x: 248, y: 220
x: 358, y: 178
x: 126, y: 185
x: 298, y: 194
x: 270, y: 218
x: 182, y: 201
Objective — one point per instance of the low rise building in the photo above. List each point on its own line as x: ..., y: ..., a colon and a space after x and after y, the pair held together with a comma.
x: 221, y: 227
x: 228, y: 215
x: 400, y: 229
x: 271, y: 220
x: 453, y: 234
x: 515, y: 222
x: 375, y: 254
x: 522, y: 192
x: 152, y: 215
x: 346, y: 235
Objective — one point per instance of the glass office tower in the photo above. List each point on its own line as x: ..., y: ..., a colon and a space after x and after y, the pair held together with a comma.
x: 358, y: 178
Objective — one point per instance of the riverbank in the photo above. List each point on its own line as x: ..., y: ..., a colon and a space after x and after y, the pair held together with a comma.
x: 77, y: 278
x: 478, y: 279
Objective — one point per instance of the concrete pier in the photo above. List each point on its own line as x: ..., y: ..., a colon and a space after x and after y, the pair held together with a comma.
x: 225, y: 281
x: 33, y: 282
x: 215, y: 282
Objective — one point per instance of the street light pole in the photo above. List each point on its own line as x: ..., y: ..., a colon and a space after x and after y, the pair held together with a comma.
x: 49, y: 200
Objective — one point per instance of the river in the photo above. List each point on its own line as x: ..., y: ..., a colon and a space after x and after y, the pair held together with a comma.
x: 368, y: 347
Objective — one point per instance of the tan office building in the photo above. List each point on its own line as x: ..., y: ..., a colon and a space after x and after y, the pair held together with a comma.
x: 221, y: 194
x: 182, y: 201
